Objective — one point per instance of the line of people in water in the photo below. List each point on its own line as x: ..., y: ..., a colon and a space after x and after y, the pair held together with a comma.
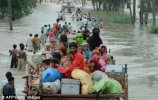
x: 85, y: 52
x: 86, y: 42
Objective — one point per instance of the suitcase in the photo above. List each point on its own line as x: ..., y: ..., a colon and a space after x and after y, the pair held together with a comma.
x: 70, y: 86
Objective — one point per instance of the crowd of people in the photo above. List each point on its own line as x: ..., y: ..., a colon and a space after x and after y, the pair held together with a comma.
x: 86, y: 52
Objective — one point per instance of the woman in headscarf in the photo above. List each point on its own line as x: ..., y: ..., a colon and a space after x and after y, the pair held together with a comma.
x: 96, y: 63
x: 63, y: 40
x: 95, y: 40
x: 79, y: 39
x: 103, y: 51
x: 108, y: 58
x: 54, y: 30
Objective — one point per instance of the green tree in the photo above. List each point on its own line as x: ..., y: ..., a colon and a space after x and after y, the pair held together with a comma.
x: 146, y: 7
x: 108, y: 5
x: 20, y: 8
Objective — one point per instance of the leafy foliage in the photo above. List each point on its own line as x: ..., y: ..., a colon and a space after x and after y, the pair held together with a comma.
x: 117, y: 17
x: 20, y: 8
x: 108, y: 5
x: 154, y: 29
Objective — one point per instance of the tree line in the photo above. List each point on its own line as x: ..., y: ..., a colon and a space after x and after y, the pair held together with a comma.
x: 20, y: 8
x: 146, y: 7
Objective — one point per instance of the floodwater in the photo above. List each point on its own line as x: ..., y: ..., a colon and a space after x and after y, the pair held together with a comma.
x: 131, y: 45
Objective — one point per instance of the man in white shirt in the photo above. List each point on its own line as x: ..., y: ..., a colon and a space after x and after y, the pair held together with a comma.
x: 29, y: 43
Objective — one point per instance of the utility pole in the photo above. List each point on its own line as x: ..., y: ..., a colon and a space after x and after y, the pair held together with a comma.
x: 10, y: 14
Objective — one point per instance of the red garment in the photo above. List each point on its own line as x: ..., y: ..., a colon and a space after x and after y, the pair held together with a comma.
x: 53, y: 29
x: 62, y: 70
x: 77, y: 62
x: 96, y: 61
x: 51, y: 35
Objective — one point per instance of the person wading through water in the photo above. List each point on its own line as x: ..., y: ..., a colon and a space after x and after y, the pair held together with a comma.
x: 22, y: 58
x: 13, y: 53
x: 29, y: 43
x: 36, y: 43
x: 8, y: 89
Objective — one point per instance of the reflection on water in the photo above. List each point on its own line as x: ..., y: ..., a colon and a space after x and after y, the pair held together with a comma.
x: 129, y: 44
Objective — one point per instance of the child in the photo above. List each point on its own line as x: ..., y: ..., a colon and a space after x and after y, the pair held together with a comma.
x: 86, y: 51
x: 45, y: 64
x: 80, y: 49
x: 96, y: 61
x: 13, y: 53
x: 68, y: 61
x: 61, y: 69
x: 54, y: 62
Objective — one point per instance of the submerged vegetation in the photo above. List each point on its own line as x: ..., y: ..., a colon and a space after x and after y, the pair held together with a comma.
x: 154, y: 29
x: 117, y: 17
x: 112, y: 17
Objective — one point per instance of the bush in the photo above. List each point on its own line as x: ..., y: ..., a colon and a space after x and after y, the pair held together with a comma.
x: 154, y: 29
x: 117, y: 17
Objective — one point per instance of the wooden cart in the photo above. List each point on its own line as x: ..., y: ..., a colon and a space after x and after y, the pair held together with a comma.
x: 124, y: 96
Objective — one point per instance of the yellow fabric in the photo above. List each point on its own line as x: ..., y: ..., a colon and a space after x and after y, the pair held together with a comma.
x: 85, y: 79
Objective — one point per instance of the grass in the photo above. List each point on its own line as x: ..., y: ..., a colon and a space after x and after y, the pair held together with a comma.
x: 154, y: 29
x: 116, y: 17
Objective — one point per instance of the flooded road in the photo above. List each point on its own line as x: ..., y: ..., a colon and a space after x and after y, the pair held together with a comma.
x: 131, y: 45
x: 134, y: 46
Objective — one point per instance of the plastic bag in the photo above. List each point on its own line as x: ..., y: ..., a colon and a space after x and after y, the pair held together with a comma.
x: 51, y: 87
x: 50, y: 75
x: 114, y: 87
x: 37, y: 58
x: 98, y: 75
x: 107, y: 86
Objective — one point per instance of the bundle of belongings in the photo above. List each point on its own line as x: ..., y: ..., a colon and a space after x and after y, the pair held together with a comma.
x: 53, y: 81
x: 75, y: 78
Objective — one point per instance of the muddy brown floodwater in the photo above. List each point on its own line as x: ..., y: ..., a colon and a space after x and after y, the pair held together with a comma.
x: 131, y: 45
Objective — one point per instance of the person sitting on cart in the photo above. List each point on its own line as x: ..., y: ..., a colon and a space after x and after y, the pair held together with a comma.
x: 76, y: 63
x: 45, y: 64
x: 77, y: 59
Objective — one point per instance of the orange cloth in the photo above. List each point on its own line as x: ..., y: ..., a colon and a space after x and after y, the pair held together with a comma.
x: 77, y: 62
